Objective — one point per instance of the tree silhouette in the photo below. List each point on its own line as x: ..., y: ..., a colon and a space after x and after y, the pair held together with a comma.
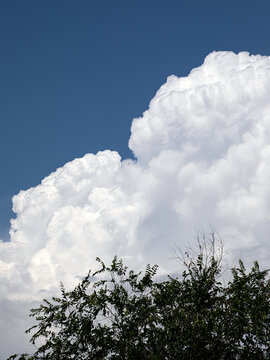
x: 116, y: 313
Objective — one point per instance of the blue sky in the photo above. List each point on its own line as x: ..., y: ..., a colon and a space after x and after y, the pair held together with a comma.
x: 75, y: 73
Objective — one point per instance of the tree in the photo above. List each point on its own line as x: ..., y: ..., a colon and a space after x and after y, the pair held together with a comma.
x: 119, y: 314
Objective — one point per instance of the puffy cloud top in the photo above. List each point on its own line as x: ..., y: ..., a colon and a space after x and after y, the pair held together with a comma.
x: 205, y: 113
x: 202, y: 155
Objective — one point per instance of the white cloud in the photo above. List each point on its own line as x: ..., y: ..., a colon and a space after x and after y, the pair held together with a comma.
x: 203, y: 155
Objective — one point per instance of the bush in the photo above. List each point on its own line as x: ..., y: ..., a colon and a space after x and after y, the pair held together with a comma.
x: 119, y: 314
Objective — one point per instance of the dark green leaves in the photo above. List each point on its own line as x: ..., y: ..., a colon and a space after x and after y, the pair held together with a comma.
x: 119, y: 314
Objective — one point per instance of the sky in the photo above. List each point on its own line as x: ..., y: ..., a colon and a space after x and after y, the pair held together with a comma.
x: 126, y: 126
x: 75, y: 74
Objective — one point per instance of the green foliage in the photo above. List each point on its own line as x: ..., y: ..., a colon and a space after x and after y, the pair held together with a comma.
x: 119, y: 314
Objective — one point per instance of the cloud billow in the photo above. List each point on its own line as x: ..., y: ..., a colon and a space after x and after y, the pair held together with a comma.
x: 202, y: 154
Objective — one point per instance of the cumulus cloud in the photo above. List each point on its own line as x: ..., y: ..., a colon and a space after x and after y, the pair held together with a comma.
x: 202, y: 154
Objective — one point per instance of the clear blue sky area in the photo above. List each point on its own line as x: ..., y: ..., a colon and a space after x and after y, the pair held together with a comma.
x: 74, y: 73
